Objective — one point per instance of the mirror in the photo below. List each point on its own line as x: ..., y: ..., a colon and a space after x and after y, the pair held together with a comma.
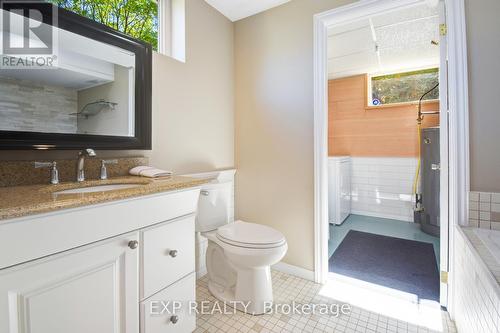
x: 92, y: 89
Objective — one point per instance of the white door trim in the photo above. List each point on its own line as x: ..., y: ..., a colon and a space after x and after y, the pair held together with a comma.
x: 458, y: 118
x: 443, y: 146
x: 458, y: 134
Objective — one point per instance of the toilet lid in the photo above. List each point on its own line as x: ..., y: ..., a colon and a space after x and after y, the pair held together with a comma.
x: 250, y: 234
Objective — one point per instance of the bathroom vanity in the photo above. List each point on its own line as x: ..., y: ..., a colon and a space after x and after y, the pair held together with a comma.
x: 99, y: 261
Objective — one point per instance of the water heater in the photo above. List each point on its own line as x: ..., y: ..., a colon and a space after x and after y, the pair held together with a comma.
x: 429, y: 214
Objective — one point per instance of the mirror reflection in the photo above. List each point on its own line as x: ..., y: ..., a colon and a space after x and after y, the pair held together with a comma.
x: 89, y: 89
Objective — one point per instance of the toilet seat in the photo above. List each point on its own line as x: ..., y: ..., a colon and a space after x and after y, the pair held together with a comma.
x: 250, y: 235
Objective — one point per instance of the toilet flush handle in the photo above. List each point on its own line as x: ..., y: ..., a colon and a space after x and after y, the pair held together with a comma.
x: 204, y: 192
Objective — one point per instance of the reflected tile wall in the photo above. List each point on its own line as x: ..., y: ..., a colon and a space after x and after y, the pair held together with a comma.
x: 30, y: 106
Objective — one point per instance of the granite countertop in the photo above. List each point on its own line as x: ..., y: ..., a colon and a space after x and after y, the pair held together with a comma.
x: 18, y: 201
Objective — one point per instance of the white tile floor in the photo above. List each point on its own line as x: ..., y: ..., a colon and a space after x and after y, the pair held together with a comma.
x: 288, y: 288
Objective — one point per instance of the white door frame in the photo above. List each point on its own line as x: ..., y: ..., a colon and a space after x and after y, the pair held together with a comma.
x: 458, y: 134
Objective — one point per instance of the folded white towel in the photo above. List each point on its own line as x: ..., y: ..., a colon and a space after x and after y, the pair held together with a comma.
x: 147, y: 171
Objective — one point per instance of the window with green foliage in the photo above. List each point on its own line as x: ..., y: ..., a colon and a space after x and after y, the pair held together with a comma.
x: 136, y: 18
x: 404, y: 87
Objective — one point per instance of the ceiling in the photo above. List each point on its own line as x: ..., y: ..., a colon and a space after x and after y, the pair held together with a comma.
x: 399, y: 40
x: 238, y: 9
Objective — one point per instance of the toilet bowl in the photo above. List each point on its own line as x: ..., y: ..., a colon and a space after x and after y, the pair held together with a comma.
x: 239, y: 254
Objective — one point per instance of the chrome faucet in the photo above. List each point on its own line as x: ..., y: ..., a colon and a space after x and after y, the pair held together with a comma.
x: 80, y: 173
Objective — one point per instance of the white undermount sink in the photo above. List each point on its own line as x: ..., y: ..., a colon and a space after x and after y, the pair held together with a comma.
x: 98, y: 188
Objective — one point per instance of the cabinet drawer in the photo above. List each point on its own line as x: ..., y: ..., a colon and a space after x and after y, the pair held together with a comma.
x: 155, y: 319
x: 168, y: 254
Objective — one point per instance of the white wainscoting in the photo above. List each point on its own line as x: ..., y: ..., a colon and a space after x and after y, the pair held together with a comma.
x: 202, y: 242
x: 382, y: 187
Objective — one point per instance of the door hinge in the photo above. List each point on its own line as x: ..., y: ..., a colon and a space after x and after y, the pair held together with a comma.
x: 444, y: 277
x: 443, y: 29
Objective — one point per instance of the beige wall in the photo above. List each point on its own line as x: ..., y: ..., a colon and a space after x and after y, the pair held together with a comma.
x: 274, y: 122
x: 193, y: 102
x: 483, y: 39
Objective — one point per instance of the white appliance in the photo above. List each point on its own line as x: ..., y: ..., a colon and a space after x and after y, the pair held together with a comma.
x: 339, y: 189
x: 239, y: 254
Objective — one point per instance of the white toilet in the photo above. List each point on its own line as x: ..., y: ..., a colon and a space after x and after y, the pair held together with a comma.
x: 239, y: 254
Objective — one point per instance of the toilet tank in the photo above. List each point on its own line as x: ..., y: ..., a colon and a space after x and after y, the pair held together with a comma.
x: 214, y: 206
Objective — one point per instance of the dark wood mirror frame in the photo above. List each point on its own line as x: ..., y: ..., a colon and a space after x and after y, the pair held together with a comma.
x: 14, y: 140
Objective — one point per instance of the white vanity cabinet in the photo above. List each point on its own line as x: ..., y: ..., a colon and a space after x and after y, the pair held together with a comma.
x: 101, y: 280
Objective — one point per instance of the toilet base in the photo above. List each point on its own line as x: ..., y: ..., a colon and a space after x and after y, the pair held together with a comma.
x: 241, y: 276
x: 252, y: 294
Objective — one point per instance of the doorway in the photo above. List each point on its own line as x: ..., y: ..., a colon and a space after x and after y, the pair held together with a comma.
x: 384, y: 150
x: 453, y: 148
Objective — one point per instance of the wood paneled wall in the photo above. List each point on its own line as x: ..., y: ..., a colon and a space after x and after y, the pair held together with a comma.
x: 356, y: 129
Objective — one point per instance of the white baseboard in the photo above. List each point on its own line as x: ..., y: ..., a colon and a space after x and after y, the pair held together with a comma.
x: 383, y: 216
x: 294, y: 270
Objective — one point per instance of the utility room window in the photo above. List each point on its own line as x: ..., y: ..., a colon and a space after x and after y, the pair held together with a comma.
x: 403, y: 87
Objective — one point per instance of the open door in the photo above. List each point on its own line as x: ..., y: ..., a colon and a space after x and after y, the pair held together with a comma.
x: 444, y: 181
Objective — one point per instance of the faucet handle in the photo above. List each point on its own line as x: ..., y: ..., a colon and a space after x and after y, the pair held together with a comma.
x: 39, y: 165
x: 104, y: 170
x: 54, y: 173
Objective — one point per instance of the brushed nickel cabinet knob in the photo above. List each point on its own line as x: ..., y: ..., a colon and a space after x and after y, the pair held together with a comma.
x: 173, y: 253
x: 133, y: 244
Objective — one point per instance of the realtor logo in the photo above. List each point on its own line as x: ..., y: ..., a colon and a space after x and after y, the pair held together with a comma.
x: 29, y: 34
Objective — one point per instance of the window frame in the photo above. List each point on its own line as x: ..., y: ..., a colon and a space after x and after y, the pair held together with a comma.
x: 172, y: 28
x: 369, y: 93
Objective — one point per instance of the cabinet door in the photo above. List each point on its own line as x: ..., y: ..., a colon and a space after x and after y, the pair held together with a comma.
x: 89, y: 289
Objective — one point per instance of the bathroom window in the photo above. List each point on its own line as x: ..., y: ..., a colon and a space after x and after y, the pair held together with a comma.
x: 403, y: 87
x: 157, y: 22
